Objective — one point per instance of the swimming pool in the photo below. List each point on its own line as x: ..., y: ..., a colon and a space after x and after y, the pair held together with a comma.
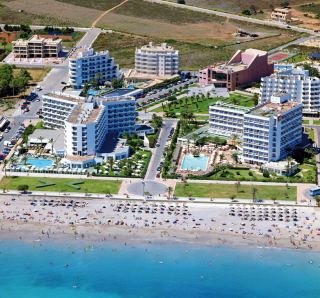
x: 40, y: 163
x: 192, y: 163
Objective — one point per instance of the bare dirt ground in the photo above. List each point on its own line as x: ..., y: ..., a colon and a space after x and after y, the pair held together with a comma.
x: 58, y: 10
x: 198, y: 32
x: 308, y: 22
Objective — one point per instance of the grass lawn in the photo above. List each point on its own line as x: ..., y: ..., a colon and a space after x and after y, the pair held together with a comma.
x: 310, y: 133
x: 266, y: 192
x: 316, y: 122
x: 89, y: 185
x: 201, y: 105
x: 306, y: 174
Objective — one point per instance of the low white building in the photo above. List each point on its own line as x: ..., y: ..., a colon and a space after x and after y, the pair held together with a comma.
x: 281, y: 168
x: 296, y: 82
x: 157, y: 60
x: 86, y: 65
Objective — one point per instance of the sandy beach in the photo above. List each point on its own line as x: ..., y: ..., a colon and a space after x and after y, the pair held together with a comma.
x: 100, y: 220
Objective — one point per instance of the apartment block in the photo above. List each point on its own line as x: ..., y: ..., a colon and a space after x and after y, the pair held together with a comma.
x: 281, y: 15
x: 297, y: 83
x: 37, y: 47
x: 157, y: 60
x: 268, y: 131
x: 242, y: 69
x: 86, y: 65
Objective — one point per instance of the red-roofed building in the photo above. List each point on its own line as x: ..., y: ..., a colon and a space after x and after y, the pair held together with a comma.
x: 242, y: 69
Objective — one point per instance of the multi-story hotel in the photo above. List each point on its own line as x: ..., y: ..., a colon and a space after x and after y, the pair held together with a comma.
x: 242, y: 69
x: 296, y: 82
x: 271, y: 130
x: 157, y: 60
x: 37, y: 47
x: 91, y: 126
x: 86, y: 65
x: 268, y: 131
x: 226, y: 119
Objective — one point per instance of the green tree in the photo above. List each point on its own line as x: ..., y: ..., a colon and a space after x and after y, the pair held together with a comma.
x: 23, y: 187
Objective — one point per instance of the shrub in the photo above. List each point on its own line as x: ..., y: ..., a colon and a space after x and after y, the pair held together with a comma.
x: 23, y: 187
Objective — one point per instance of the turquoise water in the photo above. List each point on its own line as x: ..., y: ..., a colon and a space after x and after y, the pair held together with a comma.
x: 40, y: 163
x: 156, y: 271
x: 192, y: 163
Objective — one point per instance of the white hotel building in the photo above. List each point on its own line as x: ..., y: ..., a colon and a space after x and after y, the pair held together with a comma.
x: 296, y: 82
x: 157, y: 60
x: 268, y: 131
x: 85, y: 65
x: 91, y: 126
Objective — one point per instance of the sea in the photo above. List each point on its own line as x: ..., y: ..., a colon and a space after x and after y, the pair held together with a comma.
x: 155, y: 270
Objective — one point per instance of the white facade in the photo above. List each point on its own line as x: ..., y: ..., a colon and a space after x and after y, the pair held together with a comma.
x: 226, y: 120
x: 157, y: 60
x: 86, y: 65
x: 57, y: 107
x: 268, y: 131
x: 296, y: 82
x: 271, y: 130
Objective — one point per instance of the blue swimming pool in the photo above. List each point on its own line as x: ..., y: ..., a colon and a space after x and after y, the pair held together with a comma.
x: 192, y: 163
x: 40, y: 163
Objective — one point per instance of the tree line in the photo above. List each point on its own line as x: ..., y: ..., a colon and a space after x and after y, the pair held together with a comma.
x: 11, y: 82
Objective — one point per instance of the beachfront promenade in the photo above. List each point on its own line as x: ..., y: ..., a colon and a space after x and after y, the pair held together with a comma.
x: 130, y: 188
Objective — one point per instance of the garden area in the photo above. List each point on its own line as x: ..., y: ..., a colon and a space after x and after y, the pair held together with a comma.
x: 236, y: 191
x: 61, y: 185
x: 305, y: 174
x: 200, y: 104
x: 134, y: 166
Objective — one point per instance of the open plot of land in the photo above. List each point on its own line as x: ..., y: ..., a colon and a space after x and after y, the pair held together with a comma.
x: 62, y: 12
x: 13, y: 16
x: 193, y: 55
x: 266, y: 192
x: 61, y: 184
x: 96, y: 4
x: 37, y: 74
x: 237, y: 6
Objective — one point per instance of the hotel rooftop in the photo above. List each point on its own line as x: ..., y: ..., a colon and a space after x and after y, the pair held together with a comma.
x: 273, y: 108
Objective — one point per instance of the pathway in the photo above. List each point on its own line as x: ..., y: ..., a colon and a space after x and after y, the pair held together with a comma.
x: 105, y: 13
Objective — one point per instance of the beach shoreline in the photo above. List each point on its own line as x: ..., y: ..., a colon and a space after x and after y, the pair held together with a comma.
x: 125, y: 222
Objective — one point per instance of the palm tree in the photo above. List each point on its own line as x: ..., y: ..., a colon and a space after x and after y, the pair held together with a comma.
x: 235, y: 140
x: 317, y: 198
x: 5, y: 163
x: 111, y: 161
x: 254, y: 193
x: 24, y: 159
x: 170, y: 189
x: 238, y: 185
x: 235, y: 157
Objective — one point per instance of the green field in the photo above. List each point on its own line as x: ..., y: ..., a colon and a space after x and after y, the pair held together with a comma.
x: 89, y: 185
x: 266, y: 192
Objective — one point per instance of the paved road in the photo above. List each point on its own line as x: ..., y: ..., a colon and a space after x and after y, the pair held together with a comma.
x: 52, y: 82
x: 158, y: 151
x: 294, y: 42
x: 237, y: 17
